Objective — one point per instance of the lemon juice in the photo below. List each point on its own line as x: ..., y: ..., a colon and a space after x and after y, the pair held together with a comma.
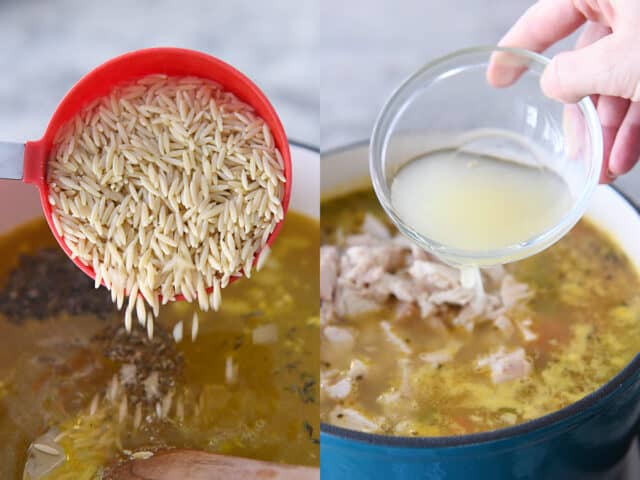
x: 475, y: 202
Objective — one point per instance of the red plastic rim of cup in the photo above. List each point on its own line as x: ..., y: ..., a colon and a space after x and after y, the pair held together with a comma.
x: 130, y: 66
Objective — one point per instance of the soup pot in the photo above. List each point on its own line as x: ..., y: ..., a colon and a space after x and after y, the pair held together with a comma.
x: 19, y: 203
x: 594, y: 438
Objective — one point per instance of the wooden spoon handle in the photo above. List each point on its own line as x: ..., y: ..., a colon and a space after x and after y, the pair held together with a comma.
x: 196, y: 465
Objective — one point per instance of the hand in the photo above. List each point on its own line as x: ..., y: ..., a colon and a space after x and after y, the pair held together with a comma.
x: 605, y: 65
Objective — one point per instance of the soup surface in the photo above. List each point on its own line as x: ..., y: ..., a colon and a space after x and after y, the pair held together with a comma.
x: 247, y: 386
x: 406, y: 350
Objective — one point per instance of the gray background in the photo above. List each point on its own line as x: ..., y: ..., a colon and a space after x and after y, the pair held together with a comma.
x: 47, y: 45
x: 368, y: 47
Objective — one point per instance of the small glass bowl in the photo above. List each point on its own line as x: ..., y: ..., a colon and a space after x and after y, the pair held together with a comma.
x: 438, y: 106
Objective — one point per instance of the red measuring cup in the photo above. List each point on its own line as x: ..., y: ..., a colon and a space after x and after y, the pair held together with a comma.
x: 28, y: 161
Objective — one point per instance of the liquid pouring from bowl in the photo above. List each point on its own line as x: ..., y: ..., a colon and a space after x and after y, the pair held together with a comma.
x: 446, y: 135
x: 28, y: 161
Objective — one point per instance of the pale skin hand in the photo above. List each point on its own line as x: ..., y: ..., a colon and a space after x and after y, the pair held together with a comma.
x: 605, y: 65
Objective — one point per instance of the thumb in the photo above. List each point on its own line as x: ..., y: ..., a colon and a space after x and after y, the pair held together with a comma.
x: 600, y: 68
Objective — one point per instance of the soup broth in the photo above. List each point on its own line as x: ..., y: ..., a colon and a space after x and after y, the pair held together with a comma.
x: 562, y: 323
x: 247, y: 386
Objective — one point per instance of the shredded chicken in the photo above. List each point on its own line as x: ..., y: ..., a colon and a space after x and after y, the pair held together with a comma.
x: 353, y: 419
x: 328, y: 271
x: 513, y: 292
x: 506, y: 366
x: 357, y: 369
x: 364, y: 271
x: 494, y: 275
x: 434, y: 275
x: 339, y: 386
x: 454, y: 296
x: 390, y: 397
x: 374, y: 269
x: 439, y: 357
x: 525, y: 330
x: 339, y: 335
x: 397, y: 342
x: 339, y: 390
x: 503, y: 324
x: 351, y: 301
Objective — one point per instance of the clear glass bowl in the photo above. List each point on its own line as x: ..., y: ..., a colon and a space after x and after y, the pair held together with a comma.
x: 439, y: 105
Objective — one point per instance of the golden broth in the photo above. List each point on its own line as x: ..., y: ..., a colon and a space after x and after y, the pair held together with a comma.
x: 585, y: 311
x: 51, y: 370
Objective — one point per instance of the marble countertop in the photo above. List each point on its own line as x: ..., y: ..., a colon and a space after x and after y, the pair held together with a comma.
x: 48, y: 45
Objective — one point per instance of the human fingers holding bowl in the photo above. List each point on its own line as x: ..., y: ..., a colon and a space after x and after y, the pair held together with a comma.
x: 604, y: 65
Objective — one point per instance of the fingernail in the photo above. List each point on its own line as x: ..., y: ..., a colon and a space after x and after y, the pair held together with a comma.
x: 611, y: 175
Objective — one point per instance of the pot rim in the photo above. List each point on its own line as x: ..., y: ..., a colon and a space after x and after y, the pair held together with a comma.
x: 590, y: 403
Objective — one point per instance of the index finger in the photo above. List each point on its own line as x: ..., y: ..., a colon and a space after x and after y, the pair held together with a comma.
x: 542, y: 25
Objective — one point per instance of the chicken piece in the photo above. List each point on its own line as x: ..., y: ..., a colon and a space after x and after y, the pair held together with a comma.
x: 398, y: 285
x: 353, y: 419
x: 439, y: 357
x: 506, y: 366
x: 350, y: 301
x: 374, y: 227
x: 493, y: 276
x: 339, y: 390
x: 433, y: 275
x: 427, y: 307
x: 398, y: 342
x: 362, y: 265
x: 502, y: 323
x: 525, y: 330
x: 365, y: 265
x: 339, y: 335
x: 455, y: 296
x: 390, y: 397
x: 466, y: 317
x: 342, y: 387
x: 328, y: 271
x: 479, y: 309
x: 513, y: 292
x: 414, y: 428
x: 357, y: 369
x: 329, y: 376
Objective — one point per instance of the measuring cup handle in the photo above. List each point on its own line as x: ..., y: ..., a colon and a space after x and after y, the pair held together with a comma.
x: 11, y: 160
